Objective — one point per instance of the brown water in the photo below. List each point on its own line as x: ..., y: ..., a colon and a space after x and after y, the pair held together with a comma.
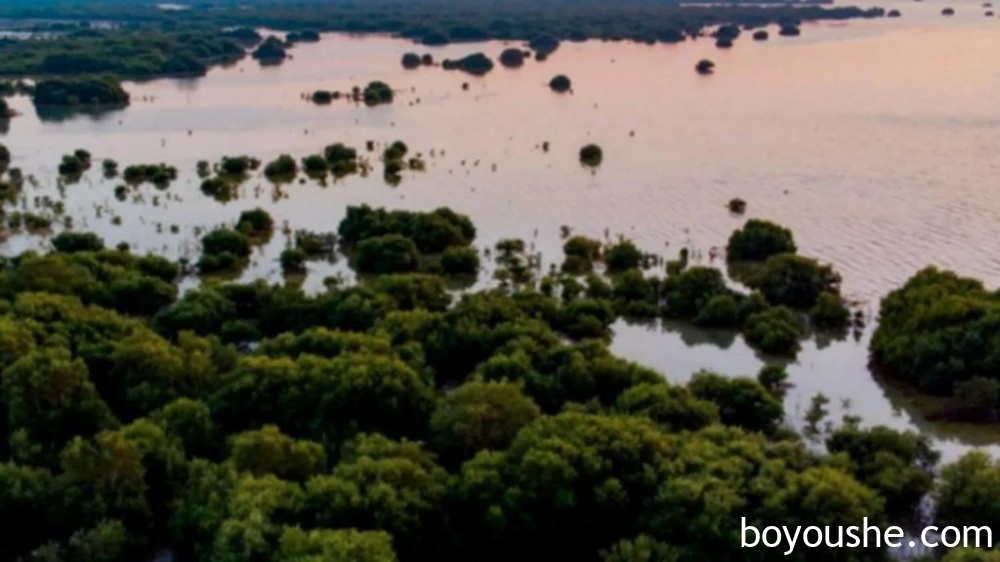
x: 877, y: 142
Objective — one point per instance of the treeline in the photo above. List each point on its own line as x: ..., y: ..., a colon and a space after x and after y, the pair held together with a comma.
x: 128, y: 52
x: 392, y: 420
x: 186, y: 41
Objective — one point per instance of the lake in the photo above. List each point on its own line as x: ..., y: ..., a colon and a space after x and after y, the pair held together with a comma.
x: 877, y: 142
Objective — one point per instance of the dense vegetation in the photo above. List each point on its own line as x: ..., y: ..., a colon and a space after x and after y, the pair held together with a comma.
x: 83, y: 92
x: 476, y: 64
x: 941, y: 333
x: 452, y: 21
x: 390, y: 420
x: 129, y: 53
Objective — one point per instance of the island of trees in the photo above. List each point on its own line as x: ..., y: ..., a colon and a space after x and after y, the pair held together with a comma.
x: 83, y: 92
x: 940, y: 333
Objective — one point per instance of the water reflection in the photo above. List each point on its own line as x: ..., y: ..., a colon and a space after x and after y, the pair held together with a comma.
x: 836, y: 368
x: 61, y: 114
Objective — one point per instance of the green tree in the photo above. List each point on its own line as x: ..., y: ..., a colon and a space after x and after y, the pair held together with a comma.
x: 674, y: 408
x: 460, y: 261
x: 70, y: 242
x: 255, y: 223
x: 108, y: 541
x: 480, y: 415
x: 49, y: 399
x: 391, y: 253
x: 622, y: 256
x: 795, y: 281
x: 775, y: 330
x: 381, y: 484
x: 967, y: 491
x: 28, y: 500
x: 896, y: 465
x: 190, y: 421
x: 741, y: 401
x: 759, y: 240
x: 830, y: 312
x: 268, y: 451
x: 341, y: 545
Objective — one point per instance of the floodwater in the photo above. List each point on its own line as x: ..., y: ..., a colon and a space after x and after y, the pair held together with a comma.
x: 877, y: 142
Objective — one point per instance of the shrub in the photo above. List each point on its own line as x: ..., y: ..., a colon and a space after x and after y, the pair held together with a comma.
x: 512, y: 58
x: 271, y: 51
x: 560, y: 83
x: 591, y: 155
x: 255, y: 222
x: 411, y: 61
x: 622, y: 256
x: 226, y: 241
x: 830, y: 312
x: 377, y: 93
x: 284, y: 167
x: 71, y: 242
x: 460, y: 260
x: 720, y: 311
x: 759, y: 240
x: 795, y: 281
x: 391, y: 253
x: 293, y: 260
x: 322, y: 97
x: 775, y: 330
x: 315, y: 165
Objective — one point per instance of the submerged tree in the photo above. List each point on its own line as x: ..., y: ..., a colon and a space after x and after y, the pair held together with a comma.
x: 560, y: 83
x: 591, y: 155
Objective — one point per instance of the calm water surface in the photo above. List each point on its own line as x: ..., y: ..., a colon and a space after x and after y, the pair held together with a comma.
x: 877, y: 142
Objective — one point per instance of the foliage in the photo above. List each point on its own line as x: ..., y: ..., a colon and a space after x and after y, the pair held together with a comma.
x: 966, y: 491
x: 255, y: 223
x: 283, y: 168
x: 759, y: 240
x: 480, y: 415
x: 392, y: 253
x: 591, y: 155
x: 460, y: 260
x: 476, y: 64
x: 377, y: 93
x: 391, y: 418
x: 270, y: 51
x: 70, y: 242
x: 431, y: 232
x: 622, y: 256
x: 775, y: 330
x: 126, y: 52
x: 160, y: 175
x: 340, y: 544
x: 741, y: 401
x: 223, y: 249
x: 895, y: 464
x: 829, y: 312
x: 938, y: 329
x: 794, y: 281
x: 511, y: 57
x: 560, y: 83
x: 79, y: 92
x: 293, y: 260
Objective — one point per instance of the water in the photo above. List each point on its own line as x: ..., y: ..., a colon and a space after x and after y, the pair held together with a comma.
x: 875, y: 141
